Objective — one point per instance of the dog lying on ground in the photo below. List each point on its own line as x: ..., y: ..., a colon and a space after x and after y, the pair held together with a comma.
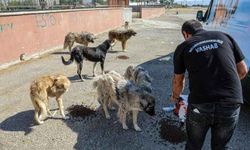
x: 140, y: 77
x: 122, y: 36
x: 43, y: 88
x: 82, y: 38
x: 106, y: 92
x: 127, y: 96
x: 94, y: 54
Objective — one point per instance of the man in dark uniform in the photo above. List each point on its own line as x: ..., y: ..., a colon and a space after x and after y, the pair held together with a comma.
x: 215, y: 65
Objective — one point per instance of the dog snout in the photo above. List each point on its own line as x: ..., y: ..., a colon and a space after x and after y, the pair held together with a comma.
x: 151, y: 112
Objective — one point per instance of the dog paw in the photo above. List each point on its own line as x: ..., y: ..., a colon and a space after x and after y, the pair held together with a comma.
x: 39, y: 122
x: 125, y: 127
x: 112, y: 108
x: 66, y: 117
x: 137, y: 128
x: 108, y: 117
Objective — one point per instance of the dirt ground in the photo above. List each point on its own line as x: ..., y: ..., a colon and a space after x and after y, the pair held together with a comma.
x: 152, y: 48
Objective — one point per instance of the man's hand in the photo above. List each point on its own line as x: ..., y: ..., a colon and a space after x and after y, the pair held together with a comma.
x: 242, y: 69
x: 174, y: 99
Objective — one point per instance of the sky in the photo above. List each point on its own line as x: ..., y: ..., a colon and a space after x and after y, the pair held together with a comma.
x: 191, y: 2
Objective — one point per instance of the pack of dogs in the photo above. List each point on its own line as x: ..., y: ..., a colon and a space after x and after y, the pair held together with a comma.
x: 129, y: 93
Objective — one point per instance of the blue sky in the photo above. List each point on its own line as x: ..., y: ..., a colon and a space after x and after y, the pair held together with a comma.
x: 193, y: 1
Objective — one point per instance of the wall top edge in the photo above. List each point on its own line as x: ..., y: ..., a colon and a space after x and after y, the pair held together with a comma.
x: 57, y: 11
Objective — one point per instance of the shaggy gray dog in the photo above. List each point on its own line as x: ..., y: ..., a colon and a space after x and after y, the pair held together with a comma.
x: 113, y: 88
x: 140, y: 77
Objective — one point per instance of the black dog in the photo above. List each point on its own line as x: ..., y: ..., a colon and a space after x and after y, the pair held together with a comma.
x: 94, y: 54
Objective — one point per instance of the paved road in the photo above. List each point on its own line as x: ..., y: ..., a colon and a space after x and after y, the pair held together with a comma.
x: 152, y: 49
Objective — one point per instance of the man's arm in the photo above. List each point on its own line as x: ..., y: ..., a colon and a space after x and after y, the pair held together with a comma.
x: 241, y: 69
x: 177, y: 86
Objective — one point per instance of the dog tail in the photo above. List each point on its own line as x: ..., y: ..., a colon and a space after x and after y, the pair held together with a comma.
x: 66, y: 40
x: 69, y: 61
x: 65, y: 45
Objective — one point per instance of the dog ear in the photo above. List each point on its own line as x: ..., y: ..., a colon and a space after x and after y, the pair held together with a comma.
x: 143, y: 102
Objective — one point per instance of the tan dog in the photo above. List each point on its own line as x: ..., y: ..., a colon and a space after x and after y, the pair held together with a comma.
x: 122, y: 36
x: 106, y: 91
x: 43, y: 88
x: 82, y: 38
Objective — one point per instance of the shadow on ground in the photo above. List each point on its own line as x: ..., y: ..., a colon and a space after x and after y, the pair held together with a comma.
x: 60, y: 53
x: 22, y: 121
x: 76, y: 78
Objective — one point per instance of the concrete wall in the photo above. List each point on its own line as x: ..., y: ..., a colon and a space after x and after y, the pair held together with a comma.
x: 127, y: 14
x: 147, y: 13
x: 36, y: 32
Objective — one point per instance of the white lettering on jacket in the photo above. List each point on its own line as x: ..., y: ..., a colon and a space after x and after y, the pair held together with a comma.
x: 206, y: 45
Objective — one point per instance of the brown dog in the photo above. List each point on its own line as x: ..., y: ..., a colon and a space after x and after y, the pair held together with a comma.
x: 82, y: 38
x: 43, y: 88
x: 122, y: 36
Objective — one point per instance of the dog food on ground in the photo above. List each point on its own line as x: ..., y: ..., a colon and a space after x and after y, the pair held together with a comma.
x: 172, y: 131
x: 79, y: 111
x: 123, y: 57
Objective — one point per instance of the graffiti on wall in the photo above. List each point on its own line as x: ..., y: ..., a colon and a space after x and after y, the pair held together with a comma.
x: 4, y: 27
x: 45, y: 20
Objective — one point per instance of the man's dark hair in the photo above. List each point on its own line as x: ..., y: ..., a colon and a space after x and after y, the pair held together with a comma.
x: 191, y: 26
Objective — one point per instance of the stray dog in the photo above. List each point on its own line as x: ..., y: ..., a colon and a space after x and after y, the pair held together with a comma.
x: 82, y: 38
x: 140, y: 77
x: 126, y: 25
x: 126, y: 95
x: 44, y: 87
x: 106, y: 92
x: 94, y: 54
x: 132, y: 98
x: 122, y: 36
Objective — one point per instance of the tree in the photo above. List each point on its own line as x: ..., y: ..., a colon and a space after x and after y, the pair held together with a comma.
x: 4, y: 3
